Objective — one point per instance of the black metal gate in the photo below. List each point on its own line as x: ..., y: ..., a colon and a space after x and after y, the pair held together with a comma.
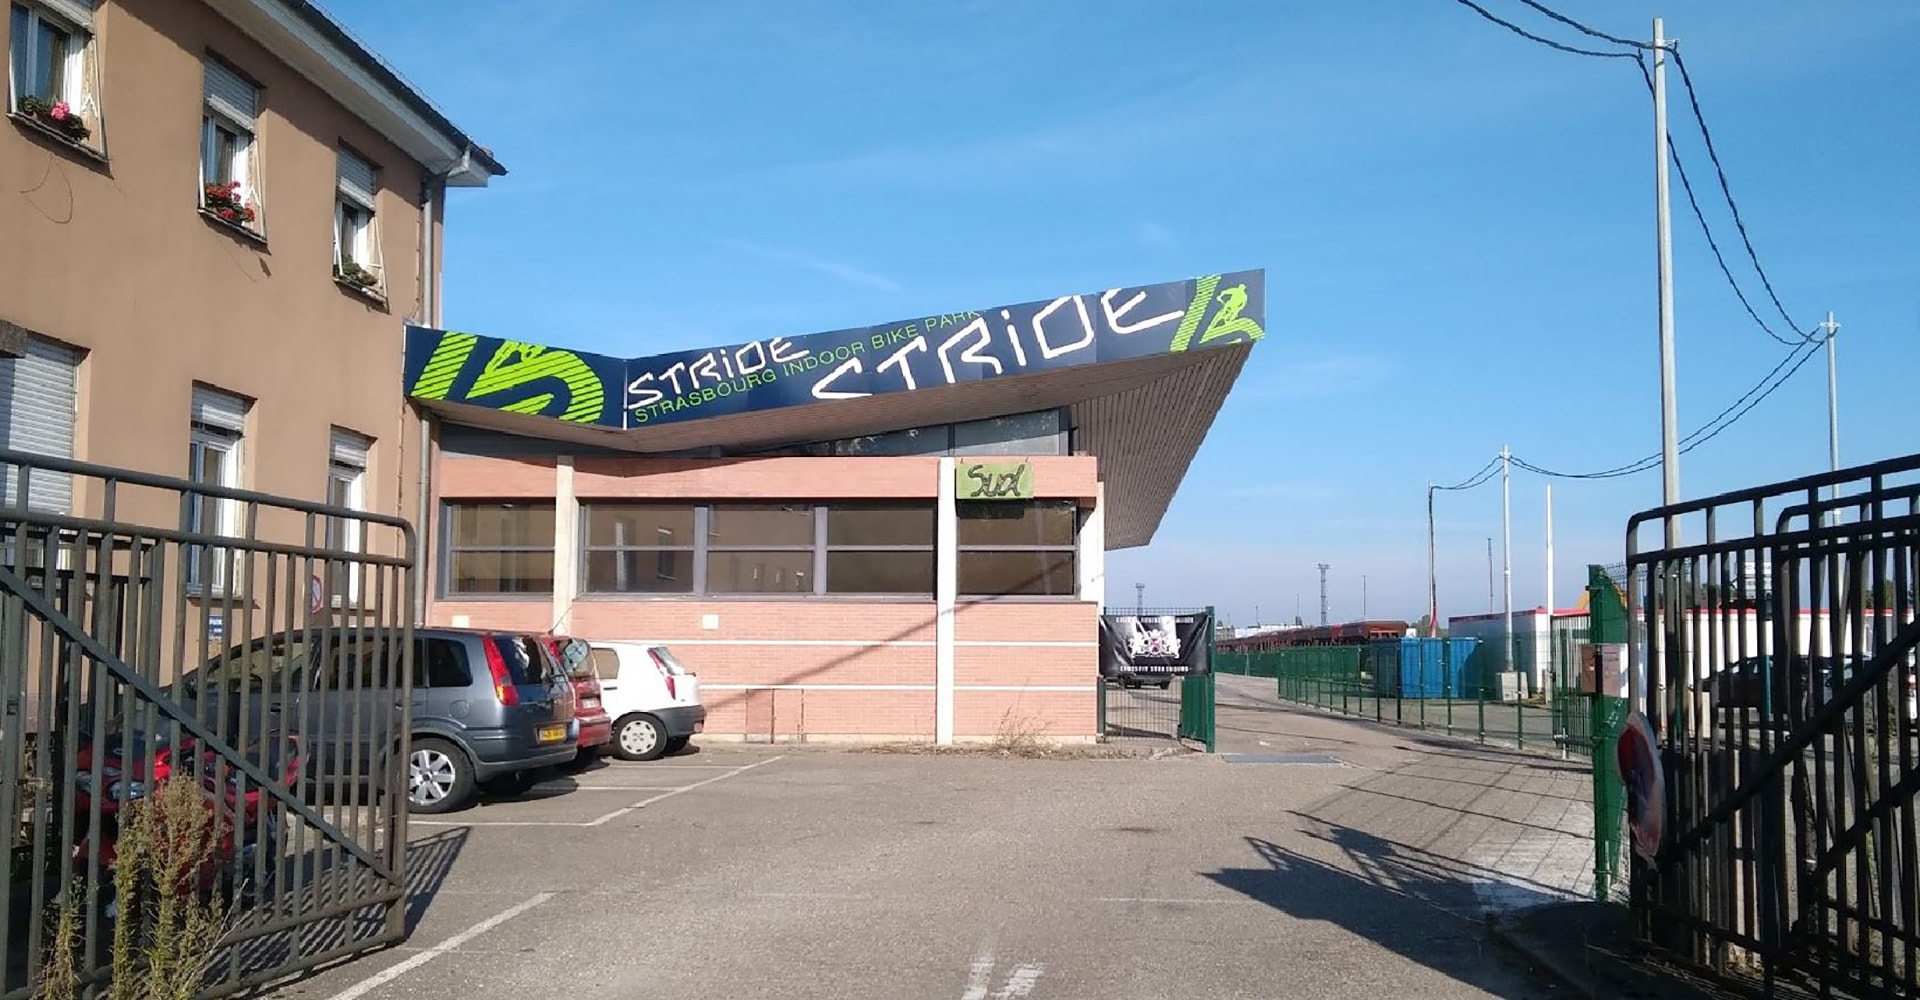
x: 1777, y: 639
x: 248, y: 655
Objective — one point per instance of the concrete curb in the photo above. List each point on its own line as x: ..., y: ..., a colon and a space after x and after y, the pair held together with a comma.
x: 1553, y: 961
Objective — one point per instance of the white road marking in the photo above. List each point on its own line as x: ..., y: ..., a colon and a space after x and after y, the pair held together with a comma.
x: 395, y: 971
x: 1021, y: 982
x: 563, y: 789
x: 979, y: 974
x: 609, y: 817
x: 1174, y: 901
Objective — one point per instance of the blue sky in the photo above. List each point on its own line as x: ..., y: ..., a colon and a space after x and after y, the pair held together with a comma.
x: 1457, y: 228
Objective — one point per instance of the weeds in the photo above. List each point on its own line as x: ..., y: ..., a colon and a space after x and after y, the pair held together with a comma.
x: 169, y: 923
x: 1021, y: 737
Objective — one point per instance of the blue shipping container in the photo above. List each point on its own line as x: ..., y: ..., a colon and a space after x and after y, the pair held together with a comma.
x: 1422, y: 668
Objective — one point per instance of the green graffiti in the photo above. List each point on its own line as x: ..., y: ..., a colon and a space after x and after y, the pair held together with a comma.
x: 1228, y: 322
x: 516, y: 364
x: 449, y: 356
x: 1202, y: 297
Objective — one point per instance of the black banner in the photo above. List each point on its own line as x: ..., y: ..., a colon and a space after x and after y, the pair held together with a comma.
x: 1155, y: 645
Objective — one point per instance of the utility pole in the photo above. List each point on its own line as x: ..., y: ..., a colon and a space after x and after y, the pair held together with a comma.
x: 1323, y: 592
x: 1547, y: 687
x: 1363, y: 597
x: 1489, y: 575
x: 1506, y: 549
x: 1663, y: 225
x: 1833, y: 403
x: 1139, y: 599
x: 1433, y: 588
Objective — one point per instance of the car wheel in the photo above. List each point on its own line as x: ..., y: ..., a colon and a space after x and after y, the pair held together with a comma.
x: 439, y: 779
x: 639, y: 737
x: 678, y: 743
x: 509, y: 785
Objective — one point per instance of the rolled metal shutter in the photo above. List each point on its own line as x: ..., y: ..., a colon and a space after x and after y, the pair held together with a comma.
x: 38, y: 391
x: 349, y: 449
x: 356, y: 178
x: 218, y: 409
x: 231, y: 95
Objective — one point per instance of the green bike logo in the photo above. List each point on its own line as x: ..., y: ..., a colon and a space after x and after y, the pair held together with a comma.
x: 1227, y: 323
x: 514, y: 367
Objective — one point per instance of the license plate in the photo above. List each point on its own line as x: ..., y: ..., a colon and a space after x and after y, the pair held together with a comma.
x: 552, y: 734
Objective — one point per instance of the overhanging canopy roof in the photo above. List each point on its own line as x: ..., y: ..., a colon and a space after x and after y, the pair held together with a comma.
x: 1141, y: 370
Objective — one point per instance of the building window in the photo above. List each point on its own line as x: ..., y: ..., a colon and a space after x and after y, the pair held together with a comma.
x: 499, y: 548
x: 229, y: 153
x: 760, y: 549
x: 48, y: 61
x: 356, y: 244
x: 215, y: 455
x: 880, y: 549
x: 718, y: 549
x: 1018, y: 548
x: 346, y: 487
x: 39, y: 395
x: 639, y: 549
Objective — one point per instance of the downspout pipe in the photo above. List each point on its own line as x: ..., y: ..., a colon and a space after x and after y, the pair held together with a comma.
x: 430, y: 191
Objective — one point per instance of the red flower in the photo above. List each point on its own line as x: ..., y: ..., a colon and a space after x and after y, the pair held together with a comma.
x: 227, y: 214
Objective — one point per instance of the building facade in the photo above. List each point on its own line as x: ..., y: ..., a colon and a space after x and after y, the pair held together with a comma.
x: 219, y: 217
x: 894, y: 532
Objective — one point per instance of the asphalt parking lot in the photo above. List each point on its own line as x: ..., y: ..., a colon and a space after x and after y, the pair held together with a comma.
x: 800, y: 873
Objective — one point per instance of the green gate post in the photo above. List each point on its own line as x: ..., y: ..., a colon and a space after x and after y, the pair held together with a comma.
x: 1197, y: 706
x: 1608, y: 715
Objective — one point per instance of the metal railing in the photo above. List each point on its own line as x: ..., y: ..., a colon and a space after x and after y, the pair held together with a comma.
x: 1773, y: 655
x: 255, y: 646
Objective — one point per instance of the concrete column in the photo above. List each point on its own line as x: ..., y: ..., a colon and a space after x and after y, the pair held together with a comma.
x: 946, y: 589
x: 1092, y: 558
x: 566, y: 545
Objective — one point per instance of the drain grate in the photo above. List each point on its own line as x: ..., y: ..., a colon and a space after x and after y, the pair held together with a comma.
x: 1280, y: 758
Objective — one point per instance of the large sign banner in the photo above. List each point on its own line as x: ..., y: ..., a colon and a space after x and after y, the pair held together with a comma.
x: 1155, y: 645
x: 1115, y: 325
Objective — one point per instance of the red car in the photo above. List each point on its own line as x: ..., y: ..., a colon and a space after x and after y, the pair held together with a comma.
x: 596, y: 726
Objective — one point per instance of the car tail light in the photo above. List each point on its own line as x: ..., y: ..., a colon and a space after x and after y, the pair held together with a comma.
x: 503, y: 688
x: 661, y: 665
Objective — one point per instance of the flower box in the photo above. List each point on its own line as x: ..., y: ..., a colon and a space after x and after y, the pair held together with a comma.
x: 57, y: 116
x: 223, y: 202
x: 353, y: 274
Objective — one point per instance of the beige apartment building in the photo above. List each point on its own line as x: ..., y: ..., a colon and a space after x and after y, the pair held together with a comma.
x: 218, y: 218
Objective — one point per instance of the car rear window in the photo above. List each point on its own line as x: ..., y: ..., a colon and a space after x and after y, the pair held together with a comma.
x: 524, y: 658
x: 667, y: 659
x: 576, y: 658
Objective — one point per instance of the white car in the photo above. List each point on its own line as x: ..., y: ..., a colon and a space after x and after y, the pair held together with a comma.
x: 653, y: 698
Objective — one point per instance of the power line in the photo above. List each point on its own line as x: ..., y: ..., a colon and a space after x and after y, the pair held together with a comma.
x: 1548, y: 42
x: 1583, y: 29
x: 1485, y: 473
x: 1706, y: 136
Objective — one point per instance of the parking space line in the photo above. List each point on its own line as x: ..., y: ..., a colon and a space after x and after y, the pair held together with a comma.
x: 609, y: 817
x: 605, y: 788
x: 395, y: 971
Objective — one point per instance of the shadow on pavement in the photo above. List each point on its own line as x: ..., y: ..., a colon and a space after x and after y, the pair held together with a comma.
x: 1367, y: 894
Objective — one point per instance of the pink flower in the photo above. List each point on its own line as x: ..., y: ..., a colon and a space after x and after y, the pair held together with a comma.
x: 60, y: 111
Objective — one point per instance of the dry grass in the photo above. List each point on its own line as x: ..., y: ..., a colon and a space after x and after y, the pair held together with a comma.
x: 168, y: 928
x: 1022, y: 737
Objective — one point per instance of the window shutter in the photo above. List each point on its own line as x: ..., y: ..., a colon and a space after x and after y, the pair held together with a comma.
x: 218, y: 409
x: 78, y: 13
x: 230, y: 95
x: 349, y: 449
x: 37, y: 395
x: 356, y: 179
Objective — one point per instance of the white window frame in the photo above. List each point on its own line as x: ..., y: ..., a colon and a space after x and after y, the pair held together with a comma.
x: 348, y: 456
x: 228, y: 441
x: 353, y: 196
x: 69, y: 17
x: 243, y: 166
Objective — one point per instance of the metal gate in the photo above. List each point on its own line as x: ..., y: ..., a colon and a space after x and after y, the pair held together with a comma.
x: 254, y: 647
x: 1777, y: 640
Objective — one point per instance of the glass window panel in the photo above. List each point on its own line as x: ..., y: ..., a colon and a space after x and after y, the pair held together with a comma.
x: 997, y: 574
x: 445, y: 663
x: 639, y: 525
x: 502, y: 572
x: 1034, y: 522
x: 880, y: 573
x: 478, y: 525
x: 761, y: 525
x: 19, y: 50
x: 606, y: 663
x: 760, y: 572
x: 880, y: 525
x: 51, y: 69
x: 633, y: 571
x: 915, y: 441
x: 1035, y: 433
